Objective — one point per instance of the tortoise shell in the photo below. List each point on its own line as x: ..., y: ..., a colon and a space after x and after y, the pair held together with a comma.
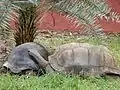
x: 27, y: 56
x: 83, y: 58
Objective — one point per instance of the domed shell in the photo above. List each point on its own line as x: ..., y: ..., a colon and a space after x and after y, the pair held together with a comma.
x: 27, y: 56
x: 83, y: 58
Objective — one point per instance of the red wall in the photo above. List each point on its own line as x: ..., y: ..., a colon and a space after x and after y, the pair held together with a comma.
x: 112, y: 26
x: 55, y: 21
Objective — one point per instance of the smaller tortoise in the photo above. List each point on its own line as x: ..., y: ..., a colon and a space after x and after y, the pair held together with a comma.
x: 28, y: 56
x: 83, y: 58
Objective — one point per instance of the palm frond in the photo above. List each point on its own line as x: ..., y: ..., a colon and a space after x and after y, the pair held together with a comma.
x: 27, y: 13
x: 23, y: 13
x: 5, y: 8
x: 85, y: 12
x: 26, y: 29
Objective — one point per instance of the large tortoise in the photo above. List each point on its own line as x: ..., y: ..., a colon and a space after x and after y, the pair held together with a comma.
x: 83, y: 58
x: 27, y: 57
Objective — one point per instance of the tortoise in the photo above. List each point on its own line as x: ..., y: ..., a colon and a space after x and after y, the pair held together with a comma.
x: 27, y: 57
x: 83, y: 59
